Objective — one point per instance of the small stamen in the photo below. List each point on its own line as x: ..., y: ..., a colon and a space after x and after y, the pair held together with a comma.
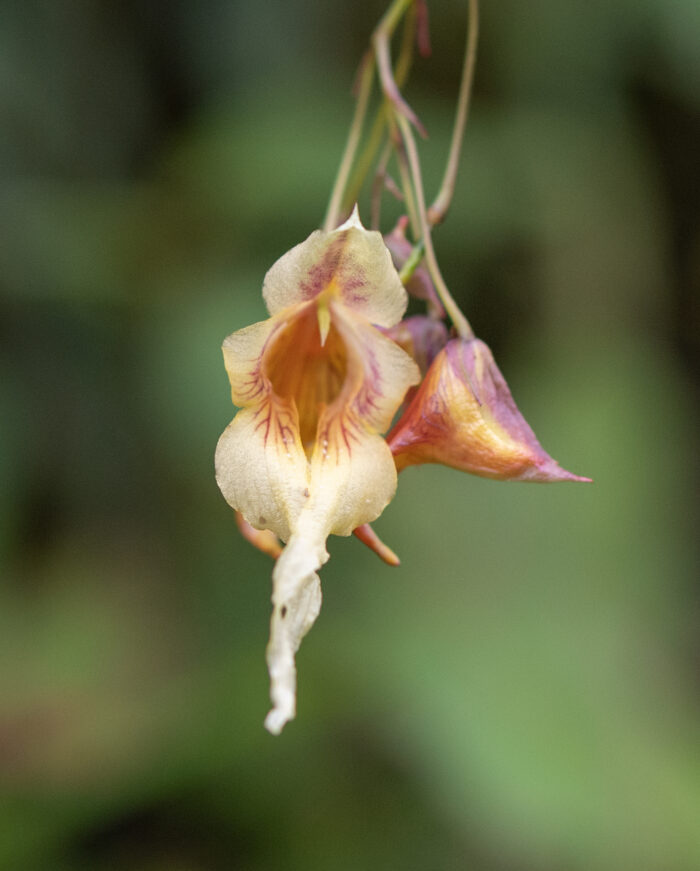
x: 324, y: 320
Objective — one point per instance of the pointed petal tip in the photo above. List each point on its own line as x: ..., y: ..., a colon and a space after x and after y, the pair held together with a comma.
x: 581, y: 479
x: 568, y: 477
x: 550, y: 472
x: 352, y: 221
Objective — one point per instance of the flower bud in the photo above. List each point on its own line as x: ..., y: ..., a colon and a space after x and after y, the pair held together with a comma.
x: 463, y: 416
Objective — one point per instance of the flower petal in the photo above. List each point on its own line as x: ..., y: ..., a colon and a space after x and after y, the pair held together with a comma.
x: 261, y: 467
x: 351, y: 263
x: 296, y: 601
x: 369, y: 537
x: 463, y: 415
x: 304, y: 457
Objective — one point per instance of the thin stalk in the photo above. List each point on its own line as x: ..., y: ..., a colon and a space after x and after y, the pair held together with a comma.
x: 438, y: 210
x: 390, y: 19
x: 378, y: 184
x: 341, y: 179
x: 366, y: 158
x: 376, y: 135
x: 454, y: 312
x: 407, y: 182
x: 408, y: 37
x: 380, y: 42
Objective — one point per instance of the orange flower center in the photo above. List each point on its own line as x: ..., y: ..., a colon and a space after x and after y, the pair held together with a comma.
x: 300, y: 368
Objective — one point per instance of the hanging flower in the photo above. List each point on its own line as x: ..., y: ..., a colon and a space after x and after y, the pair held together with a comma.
x: 321, y: 379
x: 316, y: 383
x: 463, y: 415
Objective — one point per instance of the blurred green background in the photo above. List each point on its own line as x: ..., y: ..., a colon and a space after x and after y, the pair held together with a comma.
x: 523, y: 692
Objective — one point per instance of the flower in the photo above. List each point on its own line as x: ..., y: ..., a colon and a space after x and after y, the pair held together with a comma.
x: 316, y: 383
x: 463, y: 415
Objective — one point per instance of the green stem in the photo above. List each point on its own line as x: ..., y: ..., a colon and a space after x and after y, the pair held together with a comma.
x: 438, y: 210
x: 454, y: 312
x: 365, y: 88
x: 413, y: 262
x: 390, y: 19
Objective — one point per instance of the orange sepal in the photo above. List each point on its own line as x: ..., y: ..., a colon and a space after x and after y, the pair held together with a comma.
x: 368, y: 536
x: 263, y: 539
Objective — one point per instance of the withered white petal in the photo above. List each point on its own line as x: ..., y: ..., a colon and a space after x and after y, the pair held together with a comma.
x: 296, y: 601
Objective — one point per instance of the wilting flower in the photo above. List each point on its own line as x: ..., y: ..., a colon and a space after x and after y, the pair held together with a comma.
x: 463, y: 415
x: 316, y: 383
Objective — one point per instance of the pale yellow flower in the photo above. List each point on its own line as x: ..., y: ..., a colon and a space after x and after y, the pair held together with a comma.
x: 316, y: 383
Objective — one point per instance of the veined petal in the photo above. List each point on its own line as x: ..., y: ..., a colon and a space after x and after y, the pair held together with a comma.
x: 304, y: 457
x: 349, y: 263
x: 379, y: 373
x: 263, y: 539
x: 369, y: 537
x: 261, y: 467
x: 463, y: 415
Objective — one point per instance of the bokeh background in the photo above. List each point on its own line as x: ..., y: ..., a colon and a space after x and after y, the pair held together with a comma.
x: 523, y: 693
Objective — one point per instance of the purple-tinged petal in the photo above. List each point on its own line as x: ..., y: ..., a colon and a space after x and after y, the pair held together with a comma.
x: 464, y: 416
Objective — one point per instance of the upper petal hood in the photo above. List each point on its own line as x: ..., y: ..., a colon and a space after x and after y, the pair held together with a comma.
x: 351, y: 261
